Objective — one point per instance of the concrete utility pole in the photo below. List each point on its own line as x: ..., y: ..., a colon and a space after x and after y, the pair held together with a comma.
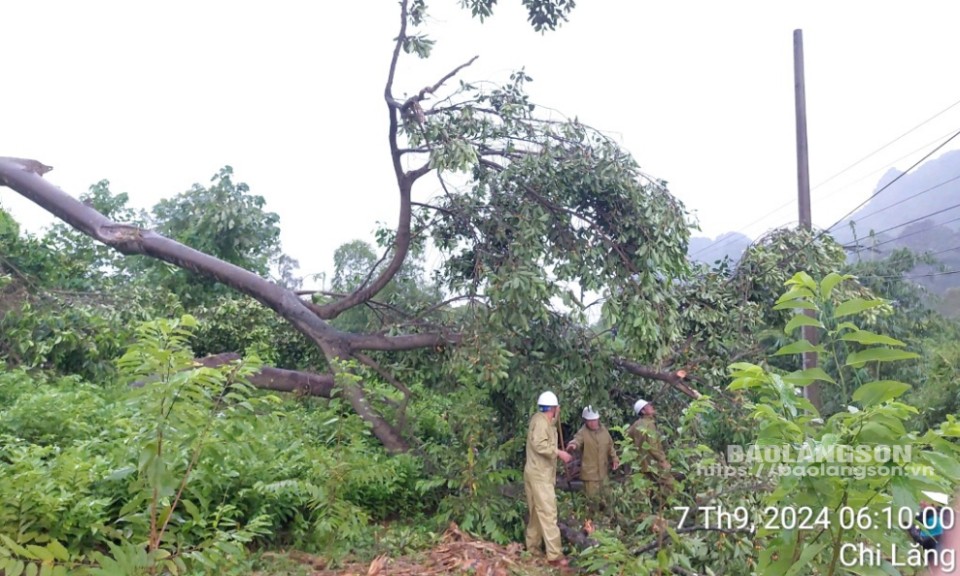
x: 812, y: 391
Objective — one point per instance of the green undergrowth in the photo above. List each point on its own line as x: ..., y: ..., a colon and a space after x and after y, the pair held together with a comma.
x: 189, y: 470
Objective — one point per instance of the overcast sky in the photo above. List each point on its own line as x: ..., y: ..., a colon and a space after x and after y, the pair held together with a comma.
x: 156, y: 97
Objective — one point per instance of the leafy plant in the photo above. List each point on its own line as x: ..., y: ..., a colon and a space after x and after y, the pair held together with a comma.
x: 876, y: 419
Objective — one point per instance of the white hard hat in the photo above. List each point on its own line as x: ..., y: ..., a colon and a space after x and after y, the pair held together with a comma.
x: 589, y: 414
x: 938, y: 497
x: 548, y: 399
x: 638, y: 405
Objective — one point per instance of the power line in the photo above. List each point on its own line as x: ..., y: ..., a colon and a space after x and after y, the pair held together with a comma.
x: 911, y: 197
x: 719, y: 243
x: 944, y: 251
x: 892, y: 182
x: 885, y: 166
x: 931, y: 254
x: 823, y: 232
x: 914, y: 233
x: 917, y: 219
x: 848, y: 168
x: 911, y: 276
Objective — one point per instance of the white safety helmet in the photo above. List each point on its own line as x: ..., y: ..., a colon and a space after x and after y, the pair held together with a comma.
x: 638, y: 405
x: 548, y: 398
x: 589, y: 414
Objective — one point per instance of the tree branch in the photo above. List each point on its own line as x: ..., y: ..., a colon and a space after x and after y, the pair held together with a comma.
x: 670, y: 378
x: 656, y: 545
x: 471, y: 297
x: 278, y: 379
x: 450, y: 213
x: 402, y: 407
x: 431, y: 89
x: 371, y: 302
x: 405, y: 180
x: 19, y: 175
x: 402, y: 241
x: 399, y: 343
x: 383, y: 373
x: 129, y: 240
x: 613, y: 245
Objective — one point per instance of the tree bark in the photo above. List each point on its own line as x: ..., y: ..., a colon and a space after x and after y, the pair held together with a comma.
x: 671, y: 378
x: 26, y: 178
x: 279, y: 379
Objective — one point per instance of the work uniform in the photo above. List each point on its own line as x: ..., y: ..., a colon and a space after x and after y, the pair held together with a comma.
x: 597, y: 451
x: 539, y: 480
x: 652, y: 460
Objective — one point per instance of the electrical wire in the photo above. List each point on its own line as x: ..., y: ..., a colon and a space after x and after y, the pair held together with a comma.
x: 914, y: 233
x: 895, y: 180
x: 917, y: 219
x: 911, y: 197
x: 884, y: 167
x: 823, y: 232
x: 850, y: 167
x: 721, y: 243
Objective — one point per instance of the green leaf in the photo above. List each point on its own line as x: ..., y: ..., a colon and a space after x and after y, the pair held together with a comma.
x: 40, y: 552
x: 808, y: 554
x: 798, y: 347
x: 746, y: 367
x: 17, y: 549
x: 828, y: 283
x: 792, y: 304
x: 192, y: 509
x: 121, y: 473
x: 944, y: 464
x: 855, y: 306
x: 799, y: 293
x: 878, y: 355
x: 745, y: 382
x: 873, y: 393
x: 801, y: 320
x: 804, y: 279
x: 804, y: 377
x: 877, y: 433
x: 58, y: 551
x: 867, y: 337
x: 902, y: 493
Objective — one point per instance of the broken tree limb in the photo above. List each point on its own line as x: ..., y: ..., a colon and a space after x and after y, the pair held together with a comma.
x: 671, y: 378
x: 577, y: 537
x: 269, y: 378
x: 27, y: 179
x: 278, y: 379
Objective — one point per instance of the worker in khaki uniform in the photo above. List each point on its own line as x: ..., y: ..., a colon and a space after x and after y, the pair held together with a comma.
x: 653, y: 462
x: 540, y: 478
x: 598, y: 453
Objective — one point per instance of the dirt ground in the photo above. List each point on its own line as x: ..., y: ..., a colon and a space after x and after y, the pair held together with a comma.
x: 457, y: 553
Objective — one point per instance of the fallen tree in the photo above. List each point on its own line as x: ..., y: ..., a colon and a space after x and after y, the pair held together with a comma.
x: 532, y: 210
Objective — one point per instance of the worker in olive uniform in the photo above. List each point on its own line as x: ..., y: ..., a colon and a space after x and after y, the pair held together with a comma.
x: 652, y: 460
x: 540, y: 478
x: 598, y: 453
